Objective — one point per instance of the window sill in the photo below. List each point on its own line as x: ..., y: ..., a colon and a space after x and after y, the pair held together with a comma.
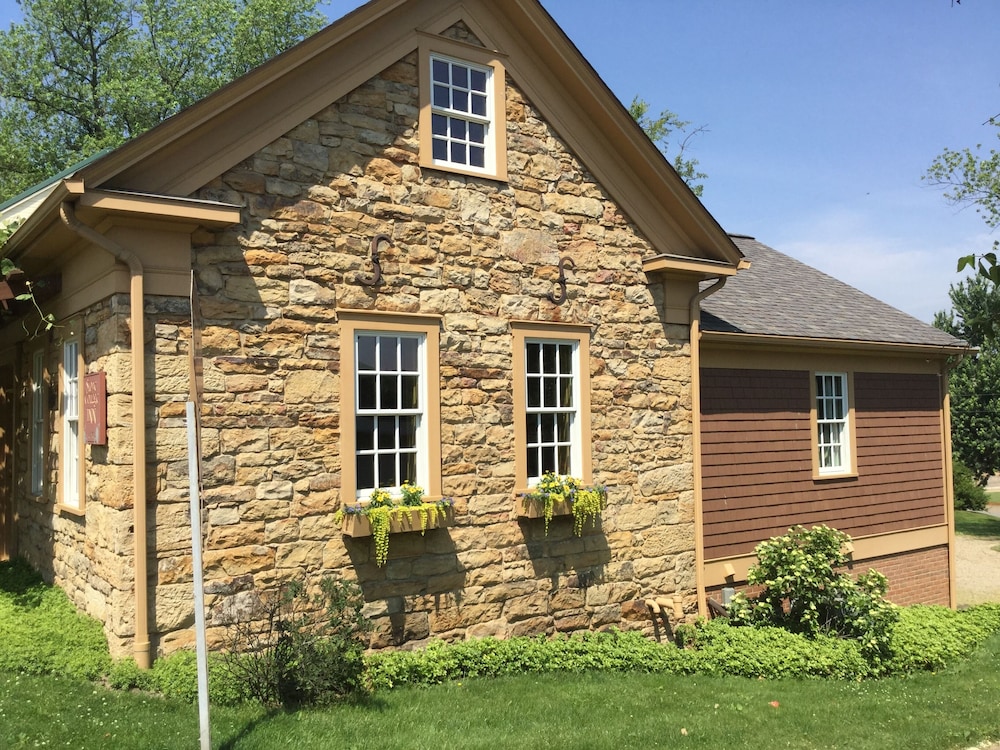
x: 497, y: 175
x: 834, y: 477
x: 401, y: 519
x: 69, y: 510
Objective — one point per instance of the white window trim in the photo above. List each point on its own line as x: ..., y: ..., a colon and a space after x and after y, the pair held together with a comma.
x: 530, y: 331
x: 488, y: 121
x: 420, y: 448
x: 474, y: 57
x: 71, y: 464
x: 532, y: 445
x: 845, y: 467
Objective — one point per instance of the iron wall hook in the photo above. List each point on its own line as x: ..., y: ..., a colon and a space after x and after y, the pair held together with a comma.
x: 561, y: 281
x: 377, y: 240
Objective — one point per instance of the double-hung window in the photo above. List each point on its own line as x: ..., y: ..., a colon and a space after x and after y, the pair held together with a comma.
x: 462, y: 112
x: 552, y: 402
x: 70, y: 460
x: 390, y: 429
x: 833, y: 439
x: 462, y: 117
x: 390, y: 404
x: 552, y: 398
x: 38, y: 422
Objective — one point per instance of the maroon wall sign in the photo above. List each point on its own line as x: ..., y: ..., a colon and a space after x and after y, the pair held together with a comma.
x: 95, y: 409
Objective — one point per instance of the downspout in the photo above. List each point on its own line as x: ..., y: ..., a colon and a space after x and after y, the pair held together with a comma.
x: 140, y: 649
x: 694, y: 313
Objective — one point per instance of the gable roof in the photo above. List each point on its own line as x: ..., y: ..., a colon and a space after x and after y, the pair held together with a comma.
x: 188, y: 150
x: 783, y: 297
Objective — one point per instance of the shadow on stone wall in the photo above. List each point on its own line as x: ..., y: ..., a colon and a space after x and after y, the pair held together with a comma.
x: 421, y: 570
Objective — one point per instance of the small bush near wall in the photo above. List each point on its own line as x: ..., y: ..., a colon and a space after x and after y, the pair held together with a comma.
x: 303, y: 645
x: 803, y: 592
x: 969, y: 494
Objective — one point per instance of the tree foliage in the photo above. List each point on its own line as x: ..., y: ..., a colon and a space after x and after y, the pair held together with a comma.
x: 78, y: 76
x: 670, y: 132
x: 971, y: 177
x: 975, y: 381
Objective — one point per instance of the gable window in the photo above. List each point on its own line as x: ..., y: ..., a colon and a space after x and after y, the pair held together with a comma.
x: 551, y: 401
x: 38, y: 422
x: 833, y: 442
x: 391, y: 404
x: 462, y: 126
x: 461, y: 119
x: 69, y: 409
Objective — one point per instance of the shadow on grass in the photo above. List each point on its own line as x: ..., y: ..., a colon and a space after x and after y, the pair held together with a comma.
x: 19, y: 580
x: 977, y: 524
x: 247, y: 730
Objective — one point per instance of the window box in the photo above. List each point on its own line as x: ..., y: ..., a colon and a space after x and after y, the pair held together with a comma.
x: 563, y: 496
x: 402, y: 518
x: 383, y: 515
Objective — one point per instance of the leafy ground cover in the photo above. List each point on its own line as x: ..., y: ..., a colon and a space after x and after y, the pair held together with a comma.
x: 46, y: 700
x: 983, y: 525
x: 955, y: 708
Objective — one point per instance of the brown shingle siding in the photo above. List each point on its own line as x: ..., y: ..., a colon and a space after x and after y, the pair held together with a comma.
x: 757, y: 462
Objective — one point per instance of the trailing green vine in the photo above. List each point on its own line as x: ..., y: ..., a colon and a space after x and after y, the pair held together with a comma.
x: 46, y: 321
x: 586, y: 503
x: 381, y: 510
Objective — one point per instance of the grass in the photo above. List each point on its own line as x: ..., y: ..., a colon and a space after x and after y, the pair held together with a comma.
x: 972, y: 523
x: 952, y: 709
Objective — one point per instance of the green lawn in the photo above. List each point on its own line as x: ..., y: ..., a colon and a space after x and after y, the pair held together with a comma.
x: 971, y: 523
x: 952, y: 709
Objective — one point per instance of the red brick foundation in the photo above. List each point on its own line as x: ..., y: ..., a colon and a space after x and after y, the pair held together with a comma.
x: 915, y: 577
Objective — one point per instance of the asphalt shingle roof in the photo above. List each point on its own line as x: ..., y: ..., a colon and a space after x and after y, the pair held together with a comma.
x: 781, y: 296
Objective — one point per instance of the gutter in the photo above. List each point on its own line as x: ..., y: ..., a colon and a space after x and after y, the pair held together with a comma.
x: 694, y: 312
x: 140, y: 648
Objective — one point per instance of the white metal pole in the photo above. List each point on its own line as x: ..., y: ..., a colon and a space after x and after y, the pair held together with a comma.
x: 199, y: 578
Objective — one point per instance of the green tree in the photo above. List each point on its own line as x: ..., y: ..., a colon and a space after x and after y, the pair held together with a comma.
x: 77, y: 76
x: 971, y: 177
x: 665, y: 131
x: 975, y: 381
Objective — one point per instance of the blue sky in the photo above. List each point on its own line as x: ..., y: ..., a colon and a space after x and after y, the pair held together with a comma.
x: 821, y: 119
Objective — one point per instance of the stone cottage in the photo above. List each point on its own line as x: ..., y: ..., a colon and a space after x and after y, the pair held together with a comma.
x: 426, y: 245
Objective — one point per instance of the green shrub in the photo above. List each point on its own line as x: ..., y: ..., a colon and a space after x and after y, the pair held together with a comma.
x: 804, y: 593
x: 42, y: 633
x: 969, y: 494
x: 176, y: 676
x: 931, y: 637
x: 489, y: 657
x: 772, y: 652
x: 299, y: 647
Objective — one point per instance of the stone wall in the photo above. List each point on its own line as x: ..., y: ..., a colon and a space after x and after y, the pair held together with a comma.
x: 480, y: 254
x: 88, y: 554
x: 475, y: 252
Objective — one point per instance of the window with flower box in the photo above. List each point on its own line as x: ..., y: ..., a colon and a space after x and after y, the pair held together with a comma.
x: 551, y: 402
x: 390, y: 428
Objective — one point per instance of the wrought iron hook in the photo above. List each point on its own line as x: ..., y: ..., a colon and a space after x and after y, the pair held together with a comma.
x: 561, y: 281
x: 377, y: 240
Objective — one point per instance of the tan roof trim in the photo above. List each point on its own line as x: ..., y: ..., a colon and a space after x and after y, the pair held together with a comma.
x: 204, y: 213
x: 36, y: 222
x: 804, y: 344
x: 681, y: 264
x: 192, y: 148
